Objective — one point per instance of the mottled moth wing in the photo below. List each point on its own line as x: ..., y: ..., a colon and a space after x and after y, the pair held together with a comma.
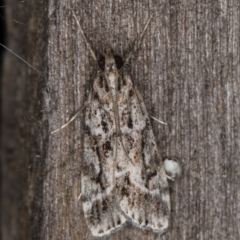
x: 141, y: 182
x: 123, y: 178
x: 100, y: 211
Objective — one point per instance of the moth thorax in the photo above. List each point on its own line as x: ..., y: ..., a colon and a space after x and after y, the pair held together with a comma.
x: 112, y: 79
x: 112, y: 76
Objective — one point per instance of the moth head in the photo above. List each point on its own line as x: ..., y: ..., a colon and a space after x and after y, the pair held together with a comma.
x: 110, y: 62
x: 108, y: 52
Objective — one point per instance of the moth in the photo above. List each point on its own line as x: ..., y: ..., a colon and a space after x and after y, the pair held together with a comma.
x: 123, y: 178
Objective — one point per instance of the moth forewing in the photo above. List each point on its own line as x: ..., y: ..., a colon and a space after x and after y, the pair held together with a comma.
x: 121, y: 180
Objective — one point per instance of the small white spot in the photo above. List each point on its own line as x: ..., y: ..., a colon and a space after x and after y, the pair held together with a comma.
x: 172, y: 168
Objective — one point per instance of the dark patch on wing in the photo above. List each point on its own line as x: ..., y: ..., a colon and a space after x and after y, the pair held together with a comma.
x: 143, y: 154
x: 106, y: 147
x: 125, y: 187
x: 123, y: 81
x: 101, y: 63
x: 101, y: 82
x: 143, y: 142
x: 126, y: 178
x: 95, y: 96
x: 118, y: 61
x: 119, y: 221
x: 146, y: 196
x: 104, y: 126
x: 99, y: 178
x: 106, y: 88
x: 130, y: 123
x: 104, y: 206
x: 131, y: 93
x: 95, y: 215
x: 87, y: 130
x: 152, y: 174
x: 149, y: 176
x: 125, y: 191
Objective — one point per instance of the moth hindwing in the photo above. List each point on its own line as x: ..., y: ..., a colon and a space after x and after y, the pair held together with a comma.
x: 123, y: 179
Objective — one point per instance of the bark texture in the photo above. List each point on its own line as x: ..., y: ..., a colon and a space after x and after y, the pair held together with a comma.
x: 188, y: 72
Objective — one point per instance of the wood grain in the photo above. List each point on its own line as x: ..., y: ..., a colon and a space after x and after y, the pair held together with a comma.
x: 187, y: 70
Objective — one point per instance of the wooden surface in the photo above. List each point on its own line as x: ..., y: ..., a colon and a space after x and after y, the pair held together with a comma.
x: 187, y: 71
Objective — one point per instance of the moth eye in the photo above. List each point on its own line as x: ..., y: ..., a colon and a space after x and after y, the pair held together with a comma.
x: 101, y: 63
x: 118, y: 61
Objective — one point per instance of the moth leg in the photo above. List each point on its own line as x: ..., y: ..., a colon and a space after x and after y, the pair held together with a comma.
x: 84, y: 37
x: 158, y: 120
x: 71, y: 120
x: 138, y: 41
x: 79, y: 197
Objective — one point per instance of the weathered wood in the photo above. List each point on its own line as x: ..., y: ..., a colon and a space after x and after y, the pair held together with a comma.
x: 187, y: 70
x: 22, y: 121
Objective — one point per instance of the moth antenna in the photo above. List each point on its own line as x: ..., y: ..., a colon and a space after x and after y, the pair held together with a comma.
x: 136, y: 46
x: 18, y: 57
x: 158, y: 120
x: 84, y: 37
